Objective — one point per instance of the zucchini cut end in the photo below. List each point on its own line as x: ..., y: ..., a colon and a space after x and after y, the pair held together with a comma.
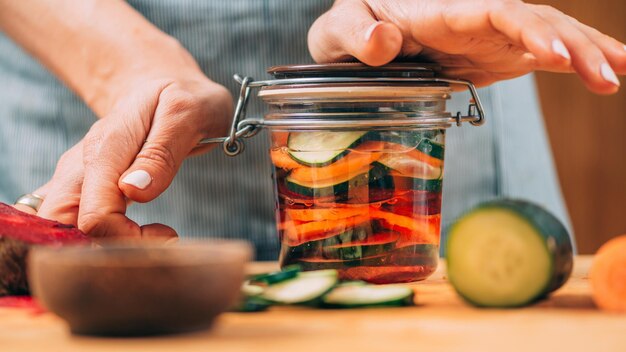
x: 497, y: 258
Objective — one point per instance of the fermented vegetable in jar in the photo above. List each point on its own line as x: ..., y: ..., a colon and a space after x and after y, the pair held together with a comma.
x: 358, y: 160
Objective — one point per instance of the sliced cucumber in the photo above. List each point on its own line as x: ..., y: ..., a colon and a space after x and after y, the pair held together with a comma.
x: 397, y: 182
x: 508, y: 253
x: 431, y: 148
x: 408, y: 138
x: 338, y: 185
x: 323, y: 263
x: 249, y: 289
x: 411, y: 167
x: 305, y: 288
x: 375, y: 244
x: 318, y: 148
x: 288, y: 272
x: 355, y: 296
x: 252, y: 304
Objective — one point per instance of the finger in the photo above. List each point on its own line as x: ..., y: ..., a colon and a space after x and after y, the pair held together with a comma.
x: 158, y: 233
x: 587, y: 58
x: 171, y: 140
x: 527, y: 29
x: 42, y: 192
x: 614, y: 50
x: 107, y: 152
x: 348, y: 30
x: 62, y: 193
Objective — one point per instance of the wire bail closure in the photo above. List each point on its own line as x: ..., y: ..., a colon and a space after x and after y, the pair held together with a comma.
x: 245, y: 128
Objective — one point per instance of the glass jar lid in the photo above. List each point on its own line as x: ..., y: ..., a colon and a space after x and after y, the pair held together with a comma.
x: 349, y: 96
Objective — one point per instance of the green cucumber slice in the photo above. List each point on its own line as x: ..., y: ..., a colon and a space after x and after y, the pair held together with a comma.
x: 305, y: 288
x: 508, y: 253
x: 373, y: 245
x: 410, y: 167
x: 288, y: 272
x: 249, y: 289
x: 318, y: 148
x: 323, y: 263
x: 252, y: 304
x: 401, y: 182
x: 431, y: 148
x: 337, y: 185
x: 410, y: 138
x: 356, y: 296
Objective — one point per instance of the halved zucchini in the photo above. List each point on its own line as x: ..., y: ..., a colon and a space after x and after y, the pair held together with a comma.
x: 508, y: 253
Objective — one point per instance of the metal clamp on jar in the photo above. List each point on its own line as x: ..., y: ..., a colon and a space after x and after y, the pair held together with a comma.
x: 358, y: 164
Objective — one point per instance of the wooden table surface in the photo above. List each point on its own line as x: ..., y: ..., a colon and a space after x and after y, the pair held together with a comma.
x: 568, y: 321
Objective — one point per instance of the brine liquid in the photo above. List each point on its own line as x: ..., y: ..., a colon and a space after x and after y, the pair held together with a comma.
x: 373, y: 214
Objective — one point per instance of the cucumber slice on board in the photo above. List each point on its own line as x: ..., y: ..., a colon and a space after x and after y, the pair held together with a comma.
x: 357, y: 296
x: 305, y: 288
x: 252, y: 304
x: 288, y: 272
x: 317, y: 148
x: 249, y: 289
x: 508, y: 253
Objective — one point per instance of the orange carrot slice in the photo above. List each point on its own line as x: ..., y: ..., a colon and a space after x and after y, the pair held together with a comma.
x: 317, y: 214
x: 319, y: 230
x: 608, y: 276
x: 282, y: 160
x: 354, y: 160
x: 415, y: 230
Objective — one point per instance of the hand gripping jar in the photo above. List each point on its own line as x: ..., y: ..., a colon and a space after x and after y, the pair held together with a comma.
x: 358, y: 156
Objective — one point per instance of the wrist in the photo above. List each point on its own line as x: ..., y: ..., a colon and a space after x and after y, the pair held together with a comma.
x: 146, y: 59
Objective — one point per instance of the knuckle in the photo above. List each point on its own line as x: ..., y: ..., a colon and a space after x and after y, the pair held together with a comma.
x: 160, y: 155
x: 178, y: 101
x: 90, y: 220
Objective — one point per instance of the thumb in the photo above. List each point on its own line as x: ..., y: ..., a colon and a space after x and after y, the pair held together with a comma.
x: 348, y: 30
x: 158, y: 161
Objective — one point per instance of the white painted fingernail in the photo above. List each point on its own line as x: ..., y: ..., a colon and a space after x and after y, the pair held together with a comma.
x: 608, y: 74
x: 559, y: 48
x: 368, y: 33
x: 138, y: 178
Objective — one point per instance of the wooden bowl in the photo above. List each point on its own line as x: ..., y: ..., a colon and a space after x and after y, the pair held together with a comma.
x: 129, y: 290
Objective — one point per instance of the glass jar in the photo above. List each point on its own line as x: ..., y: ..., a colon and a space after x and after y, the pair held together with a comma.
x: 358, y: 155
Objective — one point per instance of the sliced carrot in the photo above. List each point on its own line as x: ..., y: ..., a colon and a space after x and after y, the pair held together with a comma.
x: 282, y: 160
x: 279, y: 139
x: 319, y: 230
x: 608, y: 276
x: 316, y: 214
x: 354, y: 160
x: 414, y: 230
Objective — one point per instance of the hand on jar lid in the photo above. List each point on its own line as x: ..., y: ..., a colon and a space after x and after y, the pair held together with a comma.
x: 484, y: 41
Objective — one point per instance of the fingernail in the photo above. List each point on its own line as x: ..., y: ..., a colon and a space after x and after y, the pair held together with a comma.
x: 608, y: 74
x: 368, y: 33
x: 624, y: 47
x: 559, y: 48
x: 138, y: 178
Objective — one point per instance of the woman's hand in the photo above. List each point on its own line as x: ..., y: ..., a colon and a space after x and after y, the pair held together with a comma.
x: 480, y: 40
x: 133, y: 154
x: 153, y: 103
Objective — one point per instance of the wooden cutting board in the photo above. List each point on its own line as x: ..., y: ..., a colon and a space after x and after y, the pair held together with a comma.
x: 568, y: 321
